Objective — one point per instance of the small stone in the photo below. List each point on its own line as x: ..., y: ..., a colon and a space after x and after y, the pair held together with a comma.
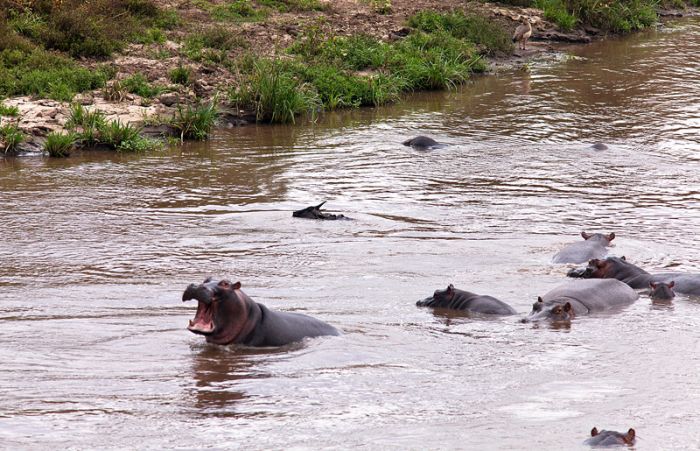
x: 169, y: 99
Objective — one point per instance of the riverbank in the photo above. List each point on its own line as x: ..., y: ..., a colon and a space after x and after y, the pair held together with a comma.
x: 261, y: 61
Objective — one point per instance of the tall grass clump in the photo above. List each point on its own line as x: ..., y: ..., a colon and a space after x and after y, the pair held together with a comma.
x: 556, y: 11
x: 88, y: 125
x: 139, y: 85
x: 621, y: 16
x: 488, y: 36
x: 275, y: 93
x: 10, y: 137
x: 195, y: 122
x: 59, y: 145
x: 11, y: 111
x: 181, y: 75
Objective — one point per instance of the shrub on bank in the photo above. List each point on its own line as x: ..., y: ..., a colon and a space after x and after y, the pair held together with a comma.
x: 10, y: 137
x: 195, y: 122
x: 59, y: 145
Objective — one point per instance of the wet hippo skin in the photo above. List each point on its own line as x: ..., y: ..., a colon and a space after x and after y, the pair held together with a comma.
x: 594, y: 246
x: 581, y: 297
x: 226, y: 315
x: 455, y: 299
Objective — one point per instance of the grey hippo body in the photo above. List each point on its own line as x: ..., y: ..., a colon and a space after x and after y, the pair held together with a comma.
x: 455, y: 299
x: 314, y: 212
x: 423, y: 143
x: 611, y: 438
x: 581, y: 297
x: 595, y: 245
x: 634, y: 276
x: 226, y: 315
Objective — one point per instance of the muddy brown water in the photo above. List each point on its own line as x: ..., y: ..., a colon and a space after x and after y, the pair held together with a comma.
x: 97, y: 249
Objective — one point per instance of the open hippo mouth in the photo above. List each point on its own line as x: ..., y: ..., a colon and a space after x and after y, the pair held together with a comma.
x: 203, y: 321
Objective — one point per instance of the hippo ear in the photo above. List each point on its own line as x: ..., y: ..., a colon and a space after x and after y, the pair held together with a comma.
x: 652, y: 285
x: 630, y: 435
x: 611, y: 236
x: 671, y: 283
x: 539, y: 299
x: 594, y: 431
x: 623, y: 258
x: 236, y: 286
x: 585, y: 235
x: 567, y: 307
x: 450, y: 287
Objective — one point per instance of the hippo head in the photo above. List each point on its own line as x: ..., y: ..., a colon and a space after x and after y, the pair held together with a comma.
x: 222, y: 311
x: 661, y: 291
x: 605, y: 239
x: 551, y: 311
x: 310, y: 212
x: 439, y: 298
x: 605, y: 268
x: 611, y: 438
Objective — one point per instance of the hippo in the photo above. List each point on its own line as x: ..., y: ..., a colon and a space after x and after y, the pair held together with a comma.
x: 634, y: 276
x: 226, y: 315
x: 315, y: 212
x: 662, y: 291
x: 455, y: 299
x: 599, y: 146
x: 610, y: 438
x: 565, y: 302
x: 594, y: 246
x: 422, y: 143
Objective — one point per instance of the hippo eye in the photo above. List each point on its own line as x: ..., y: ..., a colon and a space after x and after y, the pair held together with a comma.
x: 224, y: 284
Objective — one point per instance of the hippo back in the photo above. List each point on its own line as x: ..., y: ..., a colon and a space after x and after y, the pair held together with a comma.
x: 595, y: 294
x: 280, y: 328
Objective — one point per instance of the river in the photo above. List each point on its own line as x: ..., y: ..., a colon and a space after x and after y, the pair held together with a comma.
x: 97, y: 249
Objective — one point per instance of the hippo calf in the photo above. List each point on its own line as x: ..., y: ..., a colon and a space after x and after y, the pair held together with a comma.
x: 565, y: 302
x: 226, y: 315
x: 610, y: 438
x: 315, y: 212
x: 661, y: 291
x: 422, y: 143
x: 634, y: 276
x: 594, y: 246
x: 455, y: 299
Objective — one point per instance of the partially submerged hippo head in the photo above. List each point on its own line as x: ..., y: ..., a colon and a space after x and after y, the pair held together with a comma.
x: 611, y: 438
x: 555, y: 311
x: 223, y: 310
x: 599, y: 146
x: 314, y: 212
x: 423, y: 142
x: 604, y: 239
x: 439, y: 297
x: 605, y: 268
x: 661, y: 291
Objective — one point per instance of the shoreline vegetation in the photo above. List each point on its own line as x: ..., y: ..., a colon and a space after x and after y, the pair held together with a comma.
x: 128, y: 74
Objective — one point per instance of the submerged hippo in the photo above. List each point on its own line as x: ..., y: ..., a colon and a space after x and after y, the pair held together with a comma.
x: 452, y: 298
x: 581, y: 297
x: 662, y: 291
x: 226, y: 315
x: 594, y: 246
x: 634, y: 276
x: 316, y: 213
x: 599, y: 146
x: 610, y: 438
x: 422, y: 143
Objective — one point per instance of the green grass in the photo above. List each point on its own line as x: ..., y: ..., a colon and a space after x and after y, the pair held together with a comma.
x: 181, y: 75
x: 10, y: 137
x: 621, y: 16
x: 88, y: 125
x: 138, y: 84
x: 293, y: 5
x: 11, y: 111
x: 195, y: 122
x: 556, y: 11
x: 238, y: 11
x: 478, y: 30
x: 59, y: 145
x: 274, y: 92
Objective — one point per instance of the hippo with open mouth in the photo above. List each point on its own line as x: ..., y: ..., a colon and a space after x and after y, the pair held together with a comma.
x: 226, y: 315
x: 611, y: 438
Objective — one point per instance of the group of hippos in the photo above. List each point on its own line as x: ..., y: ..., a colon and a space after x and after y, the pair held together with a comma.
x: 226, y: 315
